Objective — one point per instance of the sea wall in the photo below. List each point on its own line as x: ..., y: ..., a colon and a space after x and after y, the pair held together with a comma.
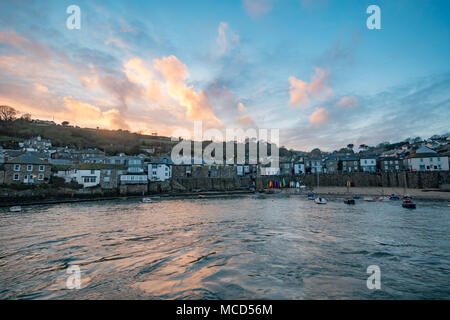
x: 413, y: 180
x: 410, y: 180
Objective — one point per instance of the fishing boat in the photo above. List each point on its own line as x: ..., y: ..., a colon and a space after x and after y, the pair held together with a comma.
x: 408, y: 204
x: 370, y: 199
x: 320, y: 200
x: 394, y: 197
x: 15, y: 209
x: 356, y: 197
x: 349, y: 201
x: 147, y: 200
x: 311, y: 196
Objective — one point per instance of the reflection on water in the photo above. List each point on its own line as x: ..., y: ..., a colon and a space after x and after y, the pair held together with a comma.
x: 234, y: 248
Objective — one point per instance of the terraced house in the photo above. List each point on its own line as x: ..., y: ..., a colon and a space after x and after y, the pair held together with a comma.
x: 27, y: 169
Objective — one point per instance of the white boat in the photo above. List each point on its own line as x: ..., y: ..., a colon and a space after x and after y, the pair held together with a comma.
x: 15, y: 209
x: 370, y: 199
x: 320, y: 200
x: 147, y: 200
x: 383, y: 199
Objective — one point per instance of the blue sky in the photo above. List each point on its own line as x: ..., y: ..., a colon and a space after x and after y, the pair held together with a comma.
x: 310, y: 68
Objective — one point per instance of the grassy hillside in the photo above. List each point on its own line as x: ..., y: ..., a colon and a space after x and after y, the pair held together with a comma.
x: 112, y: 142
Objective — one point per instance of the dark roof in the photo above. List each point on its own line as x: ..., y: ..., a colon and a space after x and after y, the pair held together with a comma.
x: 424, y: 155
x: 26, y: 159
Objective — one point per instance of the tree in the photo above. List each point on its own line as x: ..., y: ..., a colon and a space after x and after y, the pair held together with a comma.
x: 26, y: 117
x: 65, y: 123
x: 350, y: 146
x: 7, y: 113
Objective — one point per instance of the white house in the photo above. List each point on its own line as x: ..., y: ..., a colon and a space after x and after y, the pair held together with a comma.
x: 270, y: 171
x: 426, y: 159
x: 87, y: 178
x: 299, y: 168
x: 159, y: 172
x: 368, y: 164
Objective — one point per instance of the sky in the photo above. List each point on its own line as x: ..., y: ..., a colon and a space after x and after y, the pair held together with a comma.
x: 309, y: 68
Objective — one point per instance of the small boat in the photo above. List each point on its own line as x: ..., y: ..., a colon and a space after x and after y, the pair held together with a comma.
x: 349, y: 201
x: 356, y: 197
x: 408, y: 204
x: 15, y: 209
x: 201, y: 196
x: 394, y: 197
x: 370, y: 199
x: 407, y: 196
x: 147, y: 200
x: 383, y: 199
x: 311, y: 196
x: 320, y: 200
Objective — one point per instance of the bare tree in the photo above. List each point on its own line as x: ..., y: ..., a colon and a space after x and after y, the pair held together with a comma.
x: 7, y: 113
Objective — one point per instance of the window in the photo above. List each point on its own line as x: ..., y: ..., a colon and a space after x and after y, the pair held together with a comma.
x: 17, y: 167
x: 106, y: 179
x: 438, y: 159
x: 16, y: 177
x: 365, y: 161
x: 421, y: 159
x: 41, y: 168
x: 40, y: 177
x: 431, y: 159
x: 29, y: 167
x: 422, y: 167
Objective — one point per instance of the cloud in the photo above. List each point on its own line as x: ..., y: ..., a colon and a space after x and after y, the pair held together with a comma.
x: 92, y: 116
x: 302, y: 92
x: 348, y: 102
x: 319, y: 116
x: 256, y: 8
x: 171, y: 68
x: 226, y: 38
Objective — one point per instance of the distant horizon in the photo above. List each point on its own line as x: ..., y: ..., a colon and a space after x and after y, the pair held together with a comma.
x: 280, y: 146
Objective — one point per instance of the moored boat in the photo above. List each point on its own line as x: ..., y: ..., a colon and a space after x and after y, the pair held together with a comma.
x: 349, y: 201
x: 147, y: 200
x: 311, y: 196
x: 15, y: 209
x: 394, y: 197
x: 320, y: 200
x: 370, y: 199
x: 356, y: 197
x: 408, y: 204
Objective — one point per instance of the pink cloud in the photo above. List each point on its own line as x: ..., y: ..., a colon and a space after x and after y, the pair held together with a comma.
x: 319, y: 116
x: 348, y: 102
x: 301, y: 92
x: 257, y: 8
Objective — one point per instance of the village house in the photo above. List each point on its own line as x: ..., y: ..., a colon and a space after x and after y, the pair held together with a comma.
x: 426, y: 159
x: 368, y: 163
x: 159, y: 171
x: 27, y: 169
x: 134, y: 172
x: 36, y: 144
x: 313, y: 165
x: 110, y: 175
x: 390, y: 164
x: 85, y: 177
x: 299, y: 168
x: 331, y: 164
x: 350, y: 163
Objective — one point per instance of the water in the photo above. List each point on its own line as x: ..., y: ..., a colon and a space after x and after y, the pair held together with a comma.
x: 229, y: 248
